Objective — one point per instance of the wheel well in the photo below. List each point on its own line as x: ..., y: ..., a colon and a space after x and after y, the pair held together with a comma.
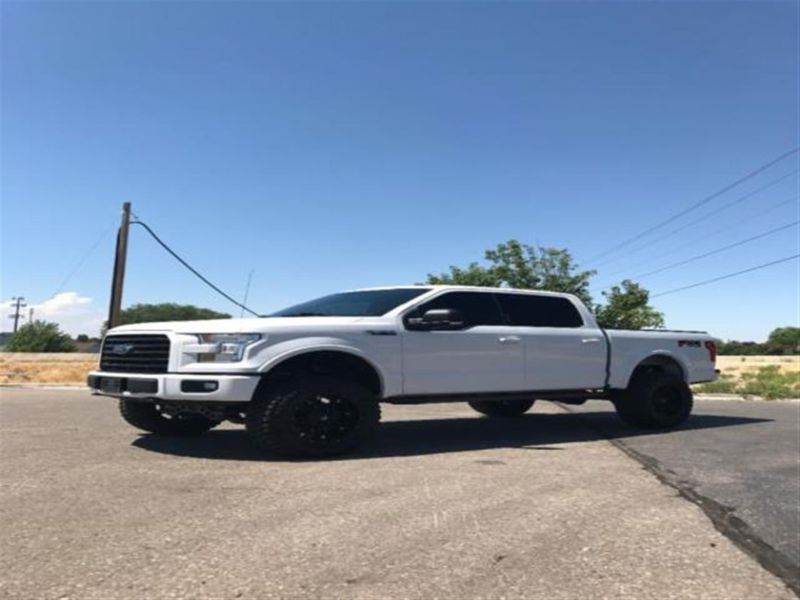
x: 340, y: 365
x: 662, y: 364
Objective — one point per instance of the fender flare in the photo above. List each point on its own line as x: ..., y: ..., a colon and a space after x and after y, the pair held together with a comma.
x: 663, y: 356
x: 330, y: 345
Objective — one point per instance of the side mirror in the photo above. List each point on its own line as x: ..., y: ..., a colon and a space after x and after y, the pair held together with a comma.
x: 437, y: 318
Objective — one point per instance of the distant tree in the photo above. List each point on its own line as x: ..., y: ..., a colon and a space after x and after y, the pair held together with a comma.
x: 40, y: 336
x: 168, y: 311
x: 82, y: 337
x: 517, y: 265
x: 627, y: 307
x: 783, y: 340
x: 736, y: 348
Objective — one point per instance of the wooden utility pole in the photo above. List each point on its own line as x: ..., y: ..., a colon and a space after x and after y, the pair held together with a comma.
x: 115, y: 306
x: 19, y: 306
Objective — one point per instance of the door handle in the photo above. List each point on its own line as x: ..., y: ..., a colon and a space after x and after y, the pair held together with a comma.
x: 590, y: 340
x: 508, y: 339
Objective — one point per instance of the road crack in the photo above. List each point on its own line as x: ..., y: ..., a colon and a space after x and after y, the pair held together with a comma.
x: 722, y: 517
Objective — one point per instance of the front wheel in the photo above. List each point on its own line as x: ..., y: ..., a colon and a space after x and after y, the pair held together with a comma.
x: 313, y: 417
x: 148, y: 417
x: 654, y: 400
x: 501, y: 408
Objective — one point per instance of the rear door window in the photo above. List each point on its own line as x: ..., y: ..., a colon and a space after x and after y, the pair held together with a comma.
x: 529, y: 310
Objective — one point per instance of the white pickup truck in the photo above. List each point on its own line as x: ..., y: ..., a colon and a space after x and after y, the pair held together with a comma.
x: 307, y: 380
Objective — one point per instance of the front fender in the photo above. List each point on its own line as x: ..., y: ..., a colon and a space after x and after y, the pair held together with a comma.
x: 277, y: 353
x: 385, y: 361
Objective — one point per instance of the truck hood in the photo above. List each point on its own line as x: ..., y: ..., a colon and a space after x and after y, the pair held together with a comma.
x: 262, y: 325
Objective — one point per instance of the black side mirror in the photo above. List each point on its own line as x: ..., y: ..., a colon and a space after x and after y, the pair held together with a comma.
x: 437, y: 318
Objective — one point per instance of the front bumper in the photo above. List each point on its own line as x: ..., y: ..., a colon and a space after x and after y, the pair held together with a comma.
x: 174, y: 386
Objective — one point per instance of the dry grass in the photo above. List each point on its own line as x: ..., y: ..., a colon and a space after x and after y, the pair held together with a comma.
x: 48, y: 369
x: 734, y: 367
x: 767, y: 377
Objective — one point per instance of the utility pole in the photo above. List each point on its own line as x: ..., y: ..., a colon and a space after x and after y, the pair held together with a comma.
x: 115, y: 306
x: 18, y: 300
x: 30, y: 315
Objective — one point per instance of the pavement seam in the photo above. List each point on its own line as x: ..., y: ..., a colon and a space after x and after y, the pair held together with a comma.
x: 721, y: 516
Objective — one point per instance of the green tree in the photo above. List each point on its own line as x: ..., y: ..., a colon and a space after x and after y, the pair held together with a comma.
x: 737, y: 348
x: 783, y: 340
x: 40, y: 336
x: 522, y: 266
x: 473, y: 274
x: 81, y: 337
x: 168, y: 311
x: 627, y: 307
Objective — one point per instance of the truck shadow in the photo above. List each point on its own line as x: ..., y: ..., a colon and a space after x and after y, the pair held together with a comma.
x: 436, y: 436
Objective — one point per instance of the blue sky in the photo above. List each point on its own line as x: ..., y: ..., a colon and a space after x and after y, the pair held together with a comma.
x: 338, y: 145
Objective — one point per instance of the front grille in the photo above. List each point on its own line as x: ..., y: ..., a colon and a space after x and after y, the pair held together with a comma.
x: 135, y: 354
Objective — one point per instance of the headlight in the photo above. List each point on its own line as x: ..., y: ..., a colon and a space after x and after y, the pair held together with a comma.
x: 221, y: 347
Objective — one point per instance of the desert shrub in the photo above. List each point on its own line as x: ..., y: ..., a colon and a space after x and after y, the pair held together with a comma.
x: 40, y: 336
x: 726, y: 384
x: 767, y: 382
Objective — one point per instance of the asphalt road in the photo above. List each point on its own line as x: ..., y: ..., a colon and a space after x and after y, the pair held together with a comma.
x: 445, y: 504
x: 739, y: 460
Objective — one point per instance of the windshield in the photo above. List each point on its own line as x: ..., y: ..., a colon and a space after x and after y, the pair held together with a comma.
x: 368, y: 303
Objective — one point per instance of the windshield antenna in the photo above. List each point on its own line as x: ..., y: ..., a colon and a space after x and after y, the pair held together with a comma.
x: 246, y: 292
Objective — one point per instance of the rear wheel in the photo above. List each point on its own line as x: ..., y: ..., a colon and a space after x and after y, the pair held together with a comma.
x: 501, y: 408
x: 149, y: 417
x: 654, y: 400
x: 313, y: 417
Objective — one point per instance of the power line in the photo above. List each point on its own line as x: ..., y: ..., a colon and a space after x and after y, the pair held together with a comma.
x: 696, y: 205
x: 716, y: 251
x: 191, y: 268
x: 728, y: 276
x: 700, y: 219
x: 761, y: 212
x: 82, y: 260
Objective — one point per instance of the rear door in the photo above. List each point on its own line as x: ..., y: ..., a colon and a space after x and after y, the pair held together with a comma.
x: 561, y: 352
x: 484, y: 355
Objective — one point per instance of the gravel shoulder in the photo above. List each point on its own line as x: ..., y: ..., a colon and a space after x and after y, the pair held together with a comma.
x: 444, y: 504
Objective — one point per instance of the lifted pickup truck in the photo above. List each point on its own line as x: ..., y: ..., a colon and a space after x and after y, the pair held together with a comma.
x: 307, y: 381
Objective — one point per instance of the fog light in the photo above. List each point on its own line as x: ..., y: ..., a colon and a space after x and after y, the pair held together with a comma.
x: 194, y: 386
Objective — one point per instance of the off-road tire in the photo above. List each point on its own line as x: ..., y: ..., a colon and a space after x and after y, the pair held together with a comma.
x: 654, y: 400
x: 148, y: 417
x: 501, y: 408
x: 312, y: 417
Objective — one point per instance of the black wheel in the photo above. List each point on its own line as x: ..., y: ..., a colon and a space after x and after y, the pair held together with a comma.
x: 313, y: 417
x: 622, y: 406
x: 501, y: 408
x: 654, y: 400
x: 149, y: 417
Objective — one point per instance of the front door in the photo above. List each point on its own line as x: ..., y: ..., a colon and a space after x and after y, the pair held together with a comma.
x: 482, y: 355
